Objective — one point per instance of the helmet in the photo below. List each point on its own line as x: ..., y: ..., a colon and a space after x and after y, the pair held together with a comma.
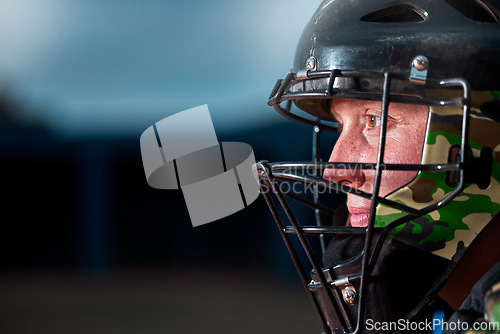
x: 444, y: 55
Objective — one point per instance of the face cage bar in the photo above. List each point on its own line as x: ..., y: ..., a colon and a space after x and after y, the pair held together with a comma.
x: 270, y: 173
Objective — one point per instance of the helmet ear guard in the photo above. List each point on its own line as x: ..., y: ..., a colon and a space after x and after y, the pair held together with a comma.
x: 445, y: 231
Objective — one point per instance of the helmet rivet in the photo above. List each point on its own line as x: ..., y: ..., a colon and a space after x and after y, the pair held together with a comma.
x: 420, y: 63
x: 349, y: 294
x: 311, y: 63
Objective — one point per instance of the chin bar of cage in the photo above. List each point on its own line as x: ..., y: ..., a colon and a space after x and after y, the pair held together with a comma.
x: 270, y: 173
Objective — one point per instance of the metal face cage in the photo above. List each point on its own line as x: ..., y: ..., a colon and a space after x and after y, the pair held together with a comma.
x: 346, y: 288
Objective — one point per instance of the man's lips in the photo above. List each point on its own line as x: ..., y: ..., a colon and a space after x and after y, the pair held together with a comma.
x: 359, y: 219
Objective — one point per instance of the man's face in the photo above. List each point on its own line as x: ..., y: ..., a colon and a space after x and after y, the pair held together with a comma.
x: 358, y: 142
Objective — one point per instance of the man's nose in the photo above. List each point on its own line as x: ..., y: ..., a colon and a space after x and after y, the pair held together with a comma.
x: 347, y: 154
x: 349, y: 174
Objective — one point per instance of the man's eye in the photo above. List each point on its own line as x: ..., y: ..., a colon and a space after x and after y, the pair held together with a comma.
x: 372, y: 121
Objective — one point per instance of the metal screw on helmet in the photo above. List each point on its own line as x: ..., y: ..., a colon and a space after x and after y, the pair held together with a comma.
x: 311, y: 63
x: 419, y: 67
x: 349, y: 294
x: 420, y: 63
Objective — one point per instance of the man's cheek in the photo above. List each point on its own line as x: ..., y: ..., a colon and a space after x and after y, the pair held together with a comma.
x: 392, y: 180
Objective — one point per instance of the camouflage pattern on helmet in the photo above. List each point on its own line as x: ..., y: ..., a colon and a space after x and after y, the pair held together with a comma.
x: 454, y: 226
x: 492, y: 304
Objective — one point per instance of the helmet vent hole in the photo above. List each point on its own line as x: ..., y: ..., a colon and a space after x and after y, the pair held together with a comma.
x: 365, y: 84
x: 395, y: 13
x: 476, y: 10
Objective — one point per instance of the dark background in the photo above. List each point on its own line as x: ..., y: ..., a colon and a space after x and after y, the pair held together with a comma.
x: 86, y: 245
x: 85, y: 204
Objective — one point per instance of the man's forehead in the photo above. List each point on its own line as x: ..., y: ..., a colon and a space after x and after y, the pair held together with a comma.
x: 337, y: 105
x: 355, y: 102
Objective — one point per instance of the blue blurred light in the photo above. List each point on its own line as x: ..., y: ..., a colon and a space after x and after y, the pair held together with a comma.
x: 114, y: 67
